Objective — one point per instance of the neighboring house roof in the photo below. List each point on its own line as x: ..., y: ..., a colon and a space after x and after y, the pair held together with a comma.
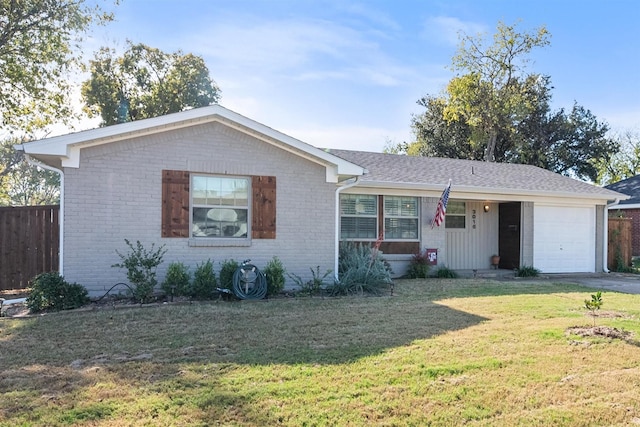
x: 64, y: 151
x: 470, y: 176
x: 630, y: 187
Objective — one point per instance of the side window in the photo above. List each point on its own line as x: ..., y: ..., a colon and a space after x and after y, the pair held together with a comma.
x: 219, y: 206
x: 400, y: 218
x: 456, y: 215
x: 358, y: 216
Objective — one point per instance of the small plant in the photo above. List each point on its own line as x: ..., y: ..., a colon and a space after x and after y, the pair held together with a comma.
x: 528, y: 271
x: 274, y: 271
x: 446, y: 273
x: 49, y: 291
x: 418, y: 266
x: 594, y: 304
x: 361, y: 269
x: 314, y: 285
x: 204, y: 281
x: 227, y: 270
x: 141, y: 265
x: 176, y: 281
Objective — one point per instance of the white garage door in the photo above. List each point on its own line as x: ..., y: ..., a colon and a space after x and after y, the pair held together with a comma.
x: 564, y: 239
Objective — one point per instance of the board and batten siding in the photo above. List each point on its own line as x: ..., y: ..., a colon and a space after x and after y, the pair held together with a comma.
x: 471, y: 248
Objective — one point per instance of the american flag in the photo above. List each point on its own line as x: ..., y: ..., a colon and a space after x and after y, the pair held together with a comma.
x: 441, y: 209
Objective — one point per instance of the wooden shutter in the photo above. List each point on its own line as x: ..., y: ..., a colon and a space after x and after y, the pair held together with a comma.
x: 175, y: 203
x: 263, y: 223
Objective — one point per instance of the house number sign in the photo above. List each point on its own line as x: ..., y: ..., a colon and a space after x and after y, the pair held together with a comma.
x: 473, y: 219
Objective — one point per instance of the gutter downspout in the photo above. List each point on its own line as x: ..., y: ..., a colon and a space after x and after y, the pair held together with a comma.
x: 605, y: 250
x: 337, y: 225
x: 34, y: 162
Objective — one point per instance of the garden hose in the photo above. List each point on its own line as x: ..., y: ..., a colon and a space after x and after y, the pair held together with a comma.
x: 249, y: 283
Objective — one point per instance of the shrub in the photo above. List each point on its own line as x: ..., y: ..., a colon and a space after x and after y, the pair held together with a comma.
x: 361, y: 269
x: 204, y: 281
x: 176, y: 281
x: 528, y: 271
x: 49, y: 291
x: 227, y: 270
x: 446, y: 273
x: 141, y: 265
x: 314, y: 285
x: 594, y: 304
x: 418, y: 266
x: 274, y: 271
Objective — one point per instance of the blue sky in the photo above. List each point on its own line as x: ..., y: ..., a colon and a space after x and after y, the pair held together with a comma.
x: 347, y: 74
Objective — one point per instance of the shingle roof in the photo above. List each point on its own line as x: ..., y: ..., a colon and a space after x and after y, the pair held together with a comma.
x: 630, y: 187
x: 429, y: 171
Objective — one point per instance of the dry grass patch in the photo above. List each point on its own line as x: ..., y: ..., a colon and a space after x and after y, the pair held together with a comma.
x: 439, y: 352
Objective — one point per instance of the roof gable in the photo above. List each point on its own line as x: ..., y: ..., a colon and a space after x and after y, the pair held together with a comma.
x: 64, y: 151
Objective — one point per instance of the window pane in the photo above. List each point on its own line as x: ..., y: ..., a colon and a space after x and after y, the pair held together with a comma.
x: 454, y: 221
x: 220, y: 206
x: 219, y: 222
x: 454, y: 207
x: 358, y: 228
x: 401, y: 228
x: 358, y: 204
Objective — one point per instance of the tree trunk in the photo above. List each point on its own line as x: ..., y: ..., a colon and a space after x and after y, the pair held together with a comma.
x: 490, y: 152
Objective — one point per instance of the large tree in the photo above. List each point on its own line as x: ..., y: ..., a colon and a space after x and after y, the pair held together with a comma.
x: 38, y: 48
x: 620, y: 164
x: 509, y: 122
x: 146, y: 82
x: 39, y: 51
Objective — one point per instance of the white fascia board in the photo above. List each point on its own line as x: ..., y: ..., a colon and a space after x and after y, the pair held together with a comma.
x: 67, y: 147
x: 486, y: 193
x: 628, y: 206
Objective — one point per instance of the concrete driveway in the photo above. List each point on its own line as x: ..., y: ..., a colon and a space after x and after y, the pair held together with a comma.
x: 617, y: 282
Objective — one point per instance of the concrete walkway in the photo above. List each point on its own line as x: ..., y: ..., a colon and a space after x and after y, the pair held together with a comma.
x: 617, y: 282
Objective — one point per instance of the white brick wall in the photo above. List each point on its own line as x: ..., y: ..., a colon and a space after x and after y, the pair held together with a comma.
x: 116, y: 194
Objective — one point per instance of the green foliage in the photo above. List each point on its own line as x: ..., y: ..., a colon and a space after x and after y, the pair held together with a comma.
x: 418, y: 266
x: 148, y: 82
x: 204, y: 281
x: 176, y: 281
x: 594, y: 304
x: 227, y: 270
x: 38, y: 51
x: 620, y: 164
x: 313, y: 286
x: 141, y: 265
x: 274, y: 272
x: 49, y: 291
x: 528, y: 271
x: 361, y: 269
x: 446, y: 273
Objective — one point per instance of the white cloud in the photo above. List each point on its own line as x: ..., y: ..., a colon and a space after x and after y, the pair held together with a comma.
x: 446, y: 29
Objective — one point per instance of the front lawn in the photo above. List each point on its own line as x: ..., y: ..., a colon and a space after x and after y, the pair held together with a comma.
x: 438, y: 352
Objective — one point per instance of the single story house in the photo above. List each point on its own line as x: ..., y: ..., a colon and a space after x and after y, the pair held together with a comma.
x: 209, y: 183
x: 630, y: 207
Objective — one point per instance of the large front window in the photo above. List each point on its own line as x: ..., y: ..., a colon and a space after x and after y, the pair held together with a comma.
x: 219, y: 206
x: 361, y: 215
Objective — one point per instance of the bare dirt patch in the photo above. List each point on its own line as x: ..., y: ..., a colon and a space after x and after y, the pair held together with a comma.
x: 599, y: 332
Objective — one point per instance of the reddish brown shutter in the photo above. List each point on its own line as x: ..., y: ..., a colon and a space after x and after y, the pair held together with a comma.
x: 263, y: 224
x: 175, y: 203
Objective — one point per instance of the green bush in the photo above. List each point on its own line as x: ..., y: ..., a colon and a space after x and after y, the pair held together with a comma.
x: 361, y: 269
x: 313, y: 286
x: 141, y: 265
x: 49, y: 291
x: 274, y: 271
x: 176, y: 281
x: 418, y: 266
x: 227, y: 270
x: 204, y: 281
x: 528, y: 271
x: 446, y: 273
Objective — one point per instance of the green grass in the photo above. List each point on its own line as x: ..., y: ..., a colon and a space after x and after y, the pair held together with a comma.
x: 439, y: 352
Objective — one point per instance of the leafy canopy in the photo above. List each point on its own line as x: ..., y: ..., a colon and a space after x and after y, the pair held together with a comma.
x: 146, y: 82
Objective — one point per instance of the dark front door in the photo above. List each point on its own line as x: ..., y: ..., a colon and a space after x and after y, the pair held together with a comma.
x: 509, y: 235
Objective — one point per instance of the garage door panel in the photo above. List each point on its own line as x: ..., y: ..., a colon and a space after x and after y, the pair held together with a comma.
x: 564, y: 239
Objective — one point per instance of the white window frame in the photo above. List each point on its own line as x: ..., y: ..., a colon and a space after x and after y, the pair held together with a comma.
x: 400, y: 216
x: 449, y: 214
x: 230, y: 228
x: 357, y: 215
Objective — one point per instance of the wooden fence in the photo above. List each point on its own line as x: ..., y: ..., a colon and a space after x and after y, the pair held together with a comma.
x: 619, y: 240
x: 29, y: 246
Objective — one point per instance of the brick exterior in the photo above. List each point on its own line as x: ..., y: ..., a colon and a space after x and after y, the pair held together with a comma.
x: 116, y: 195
